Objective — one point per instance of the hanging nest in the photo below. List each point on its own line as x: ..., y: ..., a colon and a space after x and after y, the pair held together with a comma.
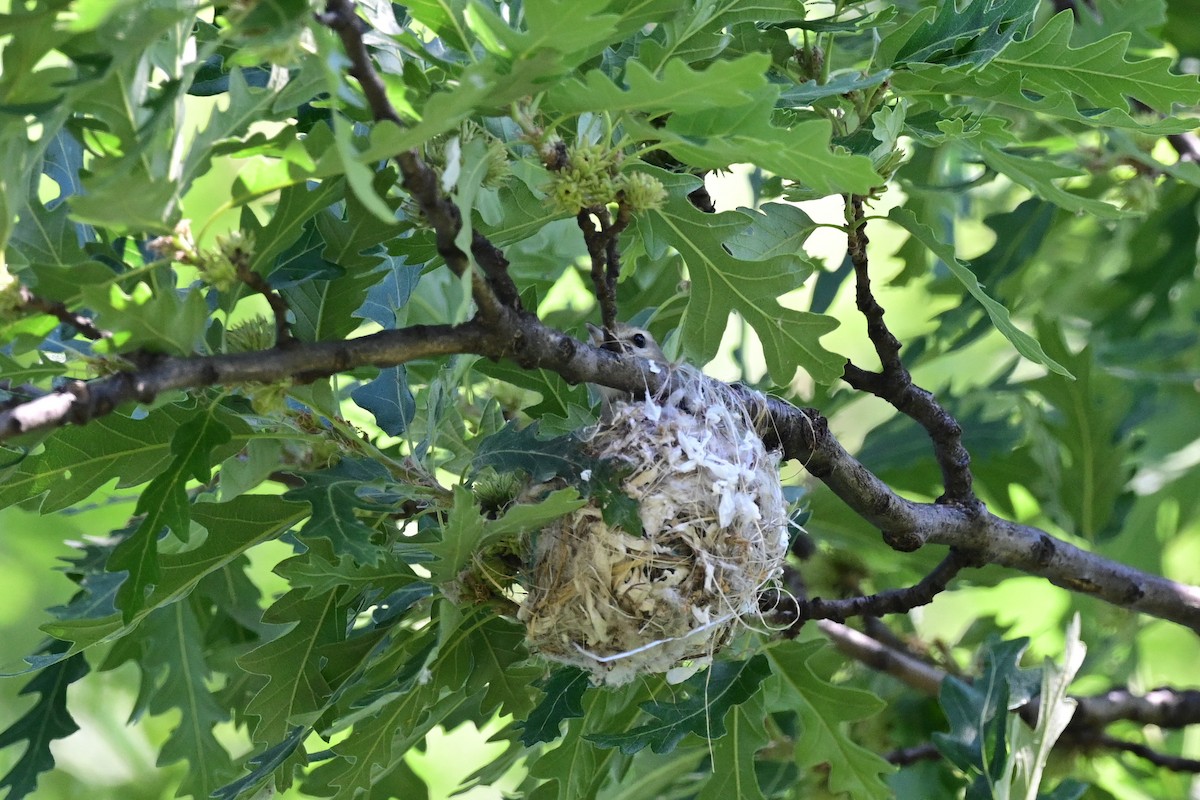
x: 714, y: 535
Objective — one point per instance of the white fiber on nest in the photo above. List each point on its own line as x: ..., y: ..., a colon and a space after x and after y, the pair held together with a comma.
x: 714, y: 536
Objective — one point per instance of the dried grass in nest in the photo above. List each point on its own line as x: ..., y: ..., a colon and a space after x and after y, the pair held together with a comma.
x: 714, y: 535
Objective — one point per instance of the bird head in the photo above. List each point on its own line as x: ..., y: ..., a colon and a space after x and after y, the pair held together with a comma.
x: 634, y: 340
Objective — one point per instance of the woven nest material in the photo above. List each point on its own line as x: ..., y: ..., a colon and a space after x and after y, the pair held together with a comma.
x: 714, y: 536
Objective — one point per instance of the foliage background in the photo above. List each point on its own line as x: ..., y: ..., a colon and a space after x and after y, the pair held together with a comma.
x: 1100, y: 267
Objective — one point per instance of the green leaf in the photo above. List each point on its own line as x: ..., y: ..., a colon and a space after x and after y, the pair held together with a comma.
x: 296, y: 691
x: 1099, y: 73
x: 674, y: 88
x: 1031, y: 748
x: 353, y: 242
x: 558, y: 396
x: 778, y: 229
x: 1025, y: 344
x: 244, y: 106
x: 700, y: 707
x: 1038, y: 176
x: 733, y: 755
x: 574, y: 28
x: 389, y: 400
x: 77, y: 461
x: 164, y: 504
x: 563, y: 701
x: 1008, y: 89
x: 234, y: 527
x: 466, y: 531
x: 46, y: 721
x: 977, y: 712
x: 335, y: 494
x: 514, y: 448
x: 324, y: 309
x: 443, y: 17
x: 155, y: 316
x: 808, y: 92
x: 973, y: 34
x: 824, y: 708
x: 296, y: 205
x: 264, y: 764
x: 722, y: 136
x: 378, y: 742
x: 321, y: 573
x: 1084, y: 450
x: 47, y: 238
x: 172, y: 652
x: 722, y: 283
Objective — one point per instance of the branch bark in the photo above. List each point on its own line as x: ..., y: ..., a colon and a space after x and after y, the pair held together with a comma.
x: 1166, y: 708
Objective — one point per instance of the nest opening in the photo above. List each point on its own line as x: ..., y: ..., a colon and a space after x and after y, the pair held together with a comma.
x: 714, y: 536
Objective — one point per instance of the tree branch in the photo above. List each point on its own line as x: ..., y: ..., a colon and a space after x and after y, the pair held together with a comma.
x: 601, y: 234
x: 503, y: 330
x: 1161, y: 707
x: 984, y: 538
x: 79, y: 402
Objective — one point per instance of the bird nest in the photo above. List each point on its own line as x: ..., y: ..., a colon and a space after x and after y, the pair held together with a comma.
x: 714, y: 535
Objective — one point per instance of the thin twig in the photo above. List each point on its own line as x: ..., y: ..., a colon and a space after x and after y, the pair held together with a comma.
x: 894, y: 383
x: 1164, y: 760
x: 600, y: 235
x: 593, y: 238
x: 1165, y: 708
x: 892, y: 601
x: 86, y: 327
x: 903, y: 666
x: 493, y: 289
x: 907, y: 756
x: 240, y: 258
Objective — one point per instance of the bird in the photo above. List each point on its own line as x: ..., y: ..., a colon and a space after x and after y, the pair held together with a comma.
x: 633, y: 340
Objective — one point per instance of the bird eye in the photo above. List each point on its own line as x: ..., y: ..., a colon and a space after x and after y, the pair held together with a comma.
x: 639, y: 340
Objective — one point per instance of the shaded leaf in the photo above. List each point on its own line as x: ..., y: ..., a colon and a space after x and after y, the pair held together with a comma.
x: 563, y: 700
x: 296, y: 690
x: 466, y: 531
x: 733, y: 755
x: 39, y: 726
x: 335, y: 494
x: 703, y: 703
x: 1024, y: 344
x: 973, y: 32
x: 389, y: 400
x: 165, y: 505
x: 514, y: 448
x: 77, y: 461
